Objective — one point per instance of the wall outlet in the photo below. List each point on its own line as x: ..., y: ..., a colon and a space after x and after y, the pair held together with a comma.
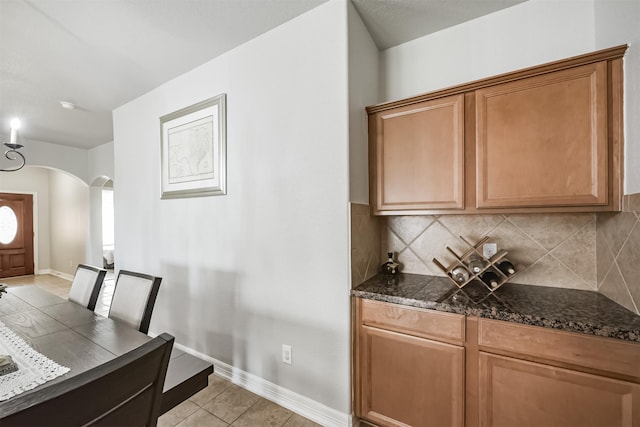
x: 489, y: 250
x: 286, y: 354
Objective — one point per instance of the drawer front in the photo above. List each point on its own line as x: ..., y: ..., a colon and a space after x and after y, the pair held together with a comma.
x: 604, y: 354
x: 419, y: 322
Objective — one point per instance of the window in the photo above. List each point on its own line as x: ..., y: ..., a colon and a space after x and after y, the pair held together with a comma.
x: 107, y: 218
x: 8, y: 225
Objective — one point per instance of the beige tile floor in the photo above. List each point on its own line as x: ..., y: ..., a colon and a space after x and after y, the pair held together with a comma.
x: 221, y: 404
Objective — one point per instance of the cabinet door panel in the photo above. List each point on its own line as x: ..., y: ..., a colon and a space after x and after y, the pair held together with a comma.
x: 542, y: 141
x: 410, y: 381
x: 418, y: 156
x: 514, y: 392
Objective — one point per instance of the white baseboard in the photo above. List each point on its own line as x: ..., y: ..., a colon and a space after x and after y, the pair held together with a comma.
x: 57, y: 273
x: 301, y: 405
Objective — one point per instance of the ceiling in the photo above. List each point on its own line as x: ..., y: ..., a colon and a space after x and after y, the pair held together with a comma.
x: 101, y: 54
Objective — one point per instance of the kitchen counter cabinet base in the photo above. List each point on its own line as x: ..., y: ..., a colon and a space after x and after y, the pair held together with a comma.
x: 489, y: 373
x: 390, y: 364
x: 613, y: 357
x: 526, y: 394
x: 392, y: 354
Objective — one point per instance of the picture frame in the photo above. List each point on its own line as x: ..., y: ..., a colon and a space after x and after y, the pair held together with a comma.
x: 193, y: 145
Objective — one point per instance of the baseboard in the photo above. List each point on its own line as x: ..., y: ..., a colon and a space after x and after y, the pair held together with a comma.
x: 301, y: 405
x: 57, y: 274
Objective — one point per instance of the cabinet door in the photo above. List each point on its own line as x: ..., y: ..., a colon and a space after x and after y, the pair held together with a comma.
x: 417, y: 156
x: 409, y: 381
x: 515, y: 392
x: 542, y: 141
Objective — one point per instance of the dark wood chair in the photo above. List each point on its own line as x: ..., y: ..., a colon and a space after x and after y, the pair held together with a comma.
x: 86, y: 285
x: 126, y: 391
x: 134, y: 296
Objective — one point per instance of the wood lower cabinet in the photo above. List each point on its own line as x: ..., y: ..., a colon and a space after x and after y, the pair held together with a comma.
x: 404, y: 378
x: 532, y: 376
x: 516, y: 392
x: 415, y: 367
x: 410, y: 381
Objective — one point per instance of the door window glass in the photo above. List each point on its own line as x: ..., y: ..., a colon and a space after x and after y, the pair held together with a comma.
x: 8, y: 225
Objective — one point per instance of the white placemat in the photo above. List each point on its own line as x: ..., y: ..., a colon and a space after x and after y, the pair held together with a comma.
x: 33, y: 368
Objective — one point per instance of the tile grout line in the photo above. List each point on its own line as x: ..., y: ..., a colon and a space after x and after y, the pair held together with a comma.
x: 571, y: 269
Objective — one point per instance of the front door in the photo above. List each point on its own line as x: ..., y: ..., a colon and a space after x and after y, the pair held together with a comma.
x: 16, y: 234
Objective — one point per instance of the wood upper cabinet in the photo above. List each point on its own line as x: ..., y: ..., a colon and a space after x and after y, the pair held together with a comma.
x: 544, y: 139
x: 417, y: 156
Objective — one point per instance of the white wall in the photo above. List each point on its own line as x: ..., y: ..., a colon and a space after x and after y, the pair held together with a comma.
x: 530, y: 33
x: 86, y: 164
x: 100, y: 162
x: 94, y: 240
x: 618, y: 22
x: 363, y: 91
x: 69, y: 159
x: 266, y: 264
x: 68, y: 221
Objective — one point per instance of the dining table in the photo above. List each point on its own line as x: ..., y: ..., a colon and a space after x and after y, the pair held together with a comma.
x: 80, y: 339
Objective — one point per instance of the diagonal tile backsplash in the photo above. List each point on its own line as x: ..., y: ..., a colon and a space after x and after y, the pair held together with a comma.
x: 582, y: 251
x: 618, y: 254
x: 365, y: 244
x: 556, y: 250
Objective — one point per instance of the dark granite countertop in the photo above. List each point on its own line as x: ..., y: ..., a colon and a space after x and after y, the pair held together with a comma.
x: 587, y: 312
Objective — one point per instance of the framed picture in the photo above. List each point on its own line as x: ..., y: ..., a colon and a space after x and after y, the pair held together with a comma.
x: 193, y: 150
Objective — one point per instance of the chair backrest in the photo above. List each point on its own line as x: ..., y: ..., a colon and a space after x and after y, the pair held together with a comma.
x: 134, y: 296
x: 86, y: 285
x: 124, y: 391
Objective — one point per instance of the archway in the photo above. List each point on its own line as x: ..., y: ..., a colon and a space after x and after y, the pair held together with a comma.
x: 60, y: 216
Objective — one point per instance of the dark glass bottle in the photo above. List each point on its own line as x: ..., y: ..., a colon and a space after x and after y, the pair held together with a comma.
x: 491, y: 278
x: 506, y: 267
x: 390, y: 267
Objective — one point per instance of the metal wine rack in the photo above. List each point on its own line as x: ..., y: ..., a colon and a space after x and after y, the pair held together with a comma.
x: 488, y: 264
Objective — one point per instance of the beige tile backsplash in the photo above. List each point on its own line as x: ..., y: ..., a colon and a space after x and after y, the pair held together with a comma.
x: 618, y: 254
x: 365, y: 244
x: 581, y: 251
x: 548, y: 250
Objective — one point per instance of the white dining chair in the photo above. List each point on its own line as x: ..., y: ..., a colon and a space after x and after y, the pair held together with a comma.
x: 134, y: 296
x: 86, y: 285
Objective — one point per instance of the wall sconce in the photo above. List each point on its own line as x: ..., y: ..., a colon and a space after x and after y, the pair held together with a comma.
x: 12, y: 152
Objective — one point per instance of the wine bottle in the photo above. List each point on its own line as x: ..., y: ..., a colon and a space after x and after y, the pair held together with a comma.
x: 390, y: 267
x: 460, y: 274
x: 476, y: 263
x: 507, y: 267
x: 491, y: 278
